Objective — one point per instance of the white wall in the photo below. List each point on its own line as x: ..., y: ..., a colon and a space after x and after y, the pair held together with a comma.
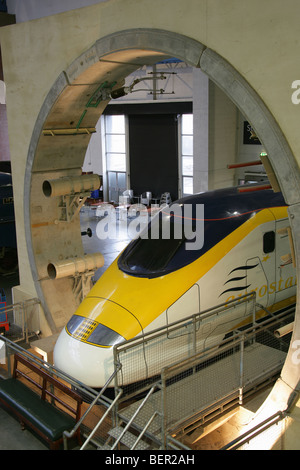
x: 183, y: 83
x: 217, y: 134
x: 93, y: 157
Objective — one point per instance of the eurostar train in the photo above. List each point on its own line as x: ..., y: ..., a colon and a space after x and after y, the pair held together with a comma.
x: 159, y: 280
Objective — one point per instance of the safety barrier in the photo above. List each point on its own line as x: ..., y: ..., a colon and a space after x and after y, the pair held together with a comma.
x: 198, y: 387
x: 95, y: 404
x: 144, y: 357
x: 189, y: 389
x: 260, y: 432
x: 22, y: 319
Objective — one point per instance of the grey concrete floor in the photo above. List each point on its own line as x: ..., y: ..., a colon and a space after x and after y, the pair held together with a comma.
x: 12, y: 437
x: 109, y: 247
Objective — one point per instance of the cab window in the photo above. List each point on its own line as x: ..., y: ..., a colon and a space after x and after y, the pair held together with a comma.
x: 269, y: 242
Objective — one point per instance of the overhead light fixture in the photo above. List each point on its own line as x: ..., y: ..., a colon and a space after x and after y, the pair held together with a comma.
x: 119, y: 92
x: 125, y: 90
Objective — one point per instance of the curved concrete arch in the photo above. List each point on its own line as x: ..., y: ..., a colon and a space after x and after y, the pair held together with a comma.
x: 108, y: 62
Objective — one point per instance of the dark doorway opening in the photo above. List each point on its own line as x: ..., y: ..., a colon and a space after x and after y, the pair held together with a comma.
x: 153, y: 150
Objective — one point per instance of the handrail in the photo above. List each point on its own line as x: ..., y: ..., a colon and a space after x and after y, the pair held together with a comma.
x: 11, y: 345
x: 205, y: 314
x: 50, y: 368
x: 101, y: 420
x: 69, y: 434
x: 191, y: 320
x: 229, y: 342
x: 151, y: 419
x: 180, y: 366
x: 225, y: 343
x: 253, y: 432
x: 135, y: 414
x: 175, y: 443
x: 22, y: 307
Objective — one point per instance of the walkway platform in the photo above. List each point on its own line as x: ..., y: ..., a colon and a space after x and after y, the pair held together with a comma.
x: 190, y: 399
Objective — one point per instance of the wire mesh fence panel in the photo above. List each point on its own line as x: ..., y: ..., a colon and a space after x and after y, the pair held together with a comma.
x: 264, y: 352
x: 192, y: 381
x: 133, y: 371
x: 142, y: 361
x: 20, y: 320
x: 143, y: 358
x: 193, y: 388
x: 197, y: 386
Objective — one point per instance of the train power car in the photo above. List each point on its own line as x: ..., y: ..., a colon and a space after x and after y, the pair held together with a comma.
x: 159, y: 280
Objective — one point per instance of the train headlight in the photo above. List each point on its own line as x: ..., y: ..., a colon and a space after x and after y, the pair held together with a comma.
x: 92, y: 332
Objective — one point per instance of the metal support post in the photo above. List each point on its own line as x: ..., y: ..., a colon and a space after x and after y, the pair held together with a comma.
x: 242, y: 346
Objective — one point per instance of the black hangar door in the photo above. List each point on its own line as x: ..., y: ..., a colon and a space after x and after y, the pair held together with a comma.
x: 153, y: 153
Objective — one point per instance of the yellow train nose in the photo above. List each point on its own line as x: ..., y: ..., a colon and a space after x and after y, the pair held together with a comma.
x: 102, y: 318
x: 84, y: 349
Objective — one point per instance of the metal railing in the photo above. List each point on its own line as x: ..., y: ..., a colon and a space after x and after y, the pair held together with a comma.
x: 200, y: 386
x: 144, y: 357
x: 90, y: 395
x: 194, y: 369
x: 69, y: 434
x: 255, y: 431
x: 110, y: 409
x: 20, y: 315
x: 135, y: 414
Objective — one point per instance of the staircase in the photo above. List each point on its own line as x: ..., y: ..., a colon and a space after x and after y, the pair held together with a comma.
x: 139, y: 424
x: 193, y: 392
x: 126, y: 439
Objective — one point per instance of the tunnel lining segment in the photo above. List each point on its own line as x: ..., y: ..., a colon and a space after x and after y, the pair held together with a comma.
x: 195, y: 54
x: 254, y: 109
